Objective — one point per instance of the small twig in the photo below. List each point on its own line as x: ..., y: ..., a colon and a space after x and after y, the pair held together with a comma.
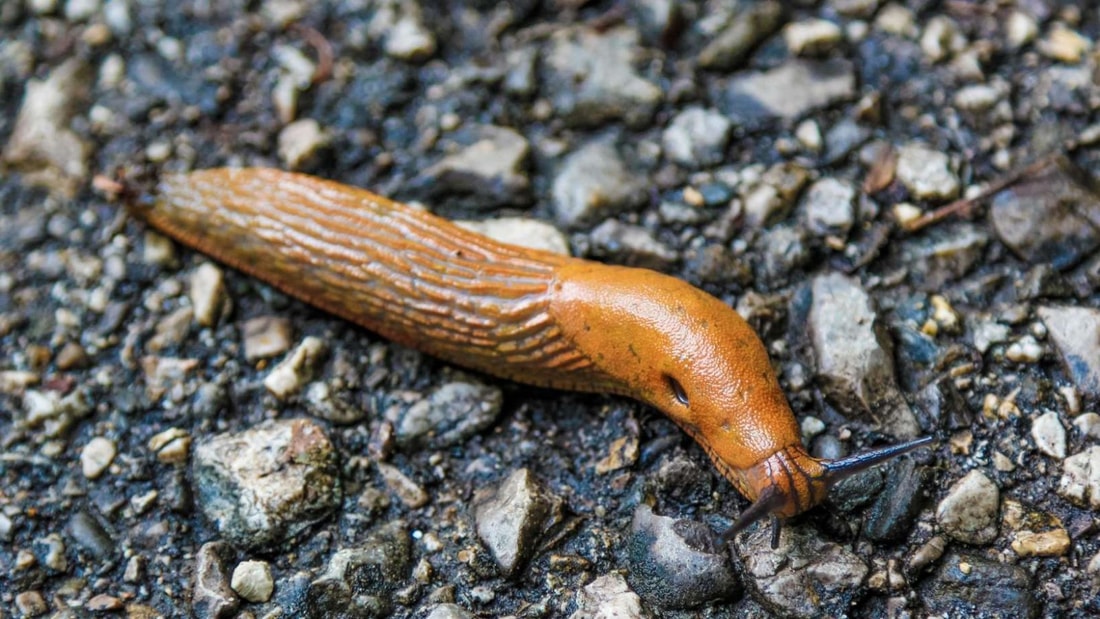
x: 322, y: 47
x: 963, y: 205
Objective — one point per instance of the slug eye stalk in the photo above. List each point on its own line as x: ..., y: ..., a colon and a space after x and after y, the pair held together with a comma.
x: 786, y: 497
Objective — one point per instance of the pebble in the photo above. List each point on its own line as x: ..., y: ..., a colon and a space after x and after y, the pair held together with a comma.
x: 830, y: 207
x: 697, y: 137
x: 522, y: 232
x: 808, y: 134
x: 208, y: 294
x: 854, y: 364
x: 941, y: 39
x: 15, y: 382
x: 973, y: 585
x: 789, y: 91
x: 72, y: 356
x: 31, y: 603
x: 896, y: 19
x: 926, y: 173
x: 1064, y: 44
x: 1088, y: 424
x: 268, y: 483
x: 49, y: 551
x: 41, y: 144
x: 592, y: 78
x: 1020, y: 29
x: 1024, y: 350
x: 326, y: 402
x: 488, y: 170
x: 895, y: 510
x: 1045, y: 218
x: 593, y: 183
x: 53, y: 413
x: 677, y: 564
x: 608, y: 597
x: 771, y: 198
x: 104, y: 603
x: 171, y: 446
x: 211, y: 595
x: 401, y: 27
x: 91, y: 536
x: 296, y: 369
x: 157, y: 249
x: 978, y: 97
x: 1049, y: 435
x: 165, y: 373
x: 745, y: 27
x: 300, y: 142
x: 96, y: 456
x: 1080, y: 481
x: 968, y: 512
x: 449, y: 611
x: 1054, y: 543
x: 786, y: 249
x: 861, y: 9
x: 451, y: 414
x: 631, y: 245
x: 511, y: 518
x: 812, y: 37
x: 266, y: 336
x: 1075, y: 333
x: 408, y: 491
x: 252, y: 581
x: 805, y: 577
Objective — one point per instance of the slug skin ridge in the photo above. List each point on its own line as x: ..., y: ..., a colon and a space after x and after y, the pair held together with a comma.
x: 531, y: 316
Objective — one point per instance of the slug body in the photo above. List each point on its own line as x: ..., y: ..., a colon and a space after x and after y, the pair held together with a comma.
x: 526, y: 315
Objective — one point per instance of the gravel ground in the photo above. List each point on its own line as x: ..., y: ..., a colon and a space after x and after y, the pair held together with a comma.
x: 180, y: 439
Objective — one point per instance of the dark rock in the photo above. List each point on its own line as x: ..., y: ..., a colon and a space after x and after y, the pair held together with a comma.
x: 488, y: 170
x: 971, y: 585
x: 1050, y: 216
x: 697, y: 137
x: 678, y: 563
x: 895, y: 510
x: 940, y: 405
x: 359, y: 581
x: 944, y: 255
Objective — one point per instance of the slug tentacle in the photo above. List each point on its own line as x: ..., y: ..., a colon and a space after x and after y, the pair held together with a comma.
x: 531, y: 316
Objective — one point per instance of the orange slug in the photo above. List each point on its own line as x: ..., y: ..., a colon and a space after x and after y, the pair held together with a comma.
x: 530, y: 316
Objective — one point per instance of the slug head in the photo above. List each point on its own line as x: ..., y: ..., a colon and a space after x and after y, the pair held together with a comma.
x: 791, y: 481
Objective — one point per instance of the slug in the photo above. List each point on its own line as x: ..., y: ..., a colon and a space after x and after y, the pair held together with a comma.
x: 530, y: 316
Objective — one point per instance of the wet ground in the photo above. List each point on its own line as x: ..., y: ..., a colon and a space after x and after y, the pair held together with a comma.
x: 179, y: 438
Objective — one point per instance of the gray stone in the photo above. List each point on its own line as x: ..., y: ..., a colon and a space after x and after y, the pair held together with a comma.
x: 90, y: 535
x: 296, y: 369
x: 971, y: 585
x: 609, y: 597
x: 771, y: 198
x: 487, y: 171
x: 408, y: 491
x: 324, y: 401
x: 450, y: 415
x: 830, y: 207
x: 594, y: 182
x: 522, y: 232
x: 805, y: 576
x: 1080, y: 481
x: 926, y: 173
x: 449, y: 611
x: 968, y: 513
x: 1050, y: 216
x: 266, y: 484
x: 746, y: 26
x: 400, y: 25
x: 630, y: 245
x: 1075, y: 332
x: 944, y: 254
x: 512, y: 517
x: 697, y: 137
x: 789, y: 91
x: 592, y: 78
x: 677, y: 563
x: 42, y: 145
x: 784, y: 250
x: 211, y: 596
x: 855, y: 364
x: 208, y: 294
